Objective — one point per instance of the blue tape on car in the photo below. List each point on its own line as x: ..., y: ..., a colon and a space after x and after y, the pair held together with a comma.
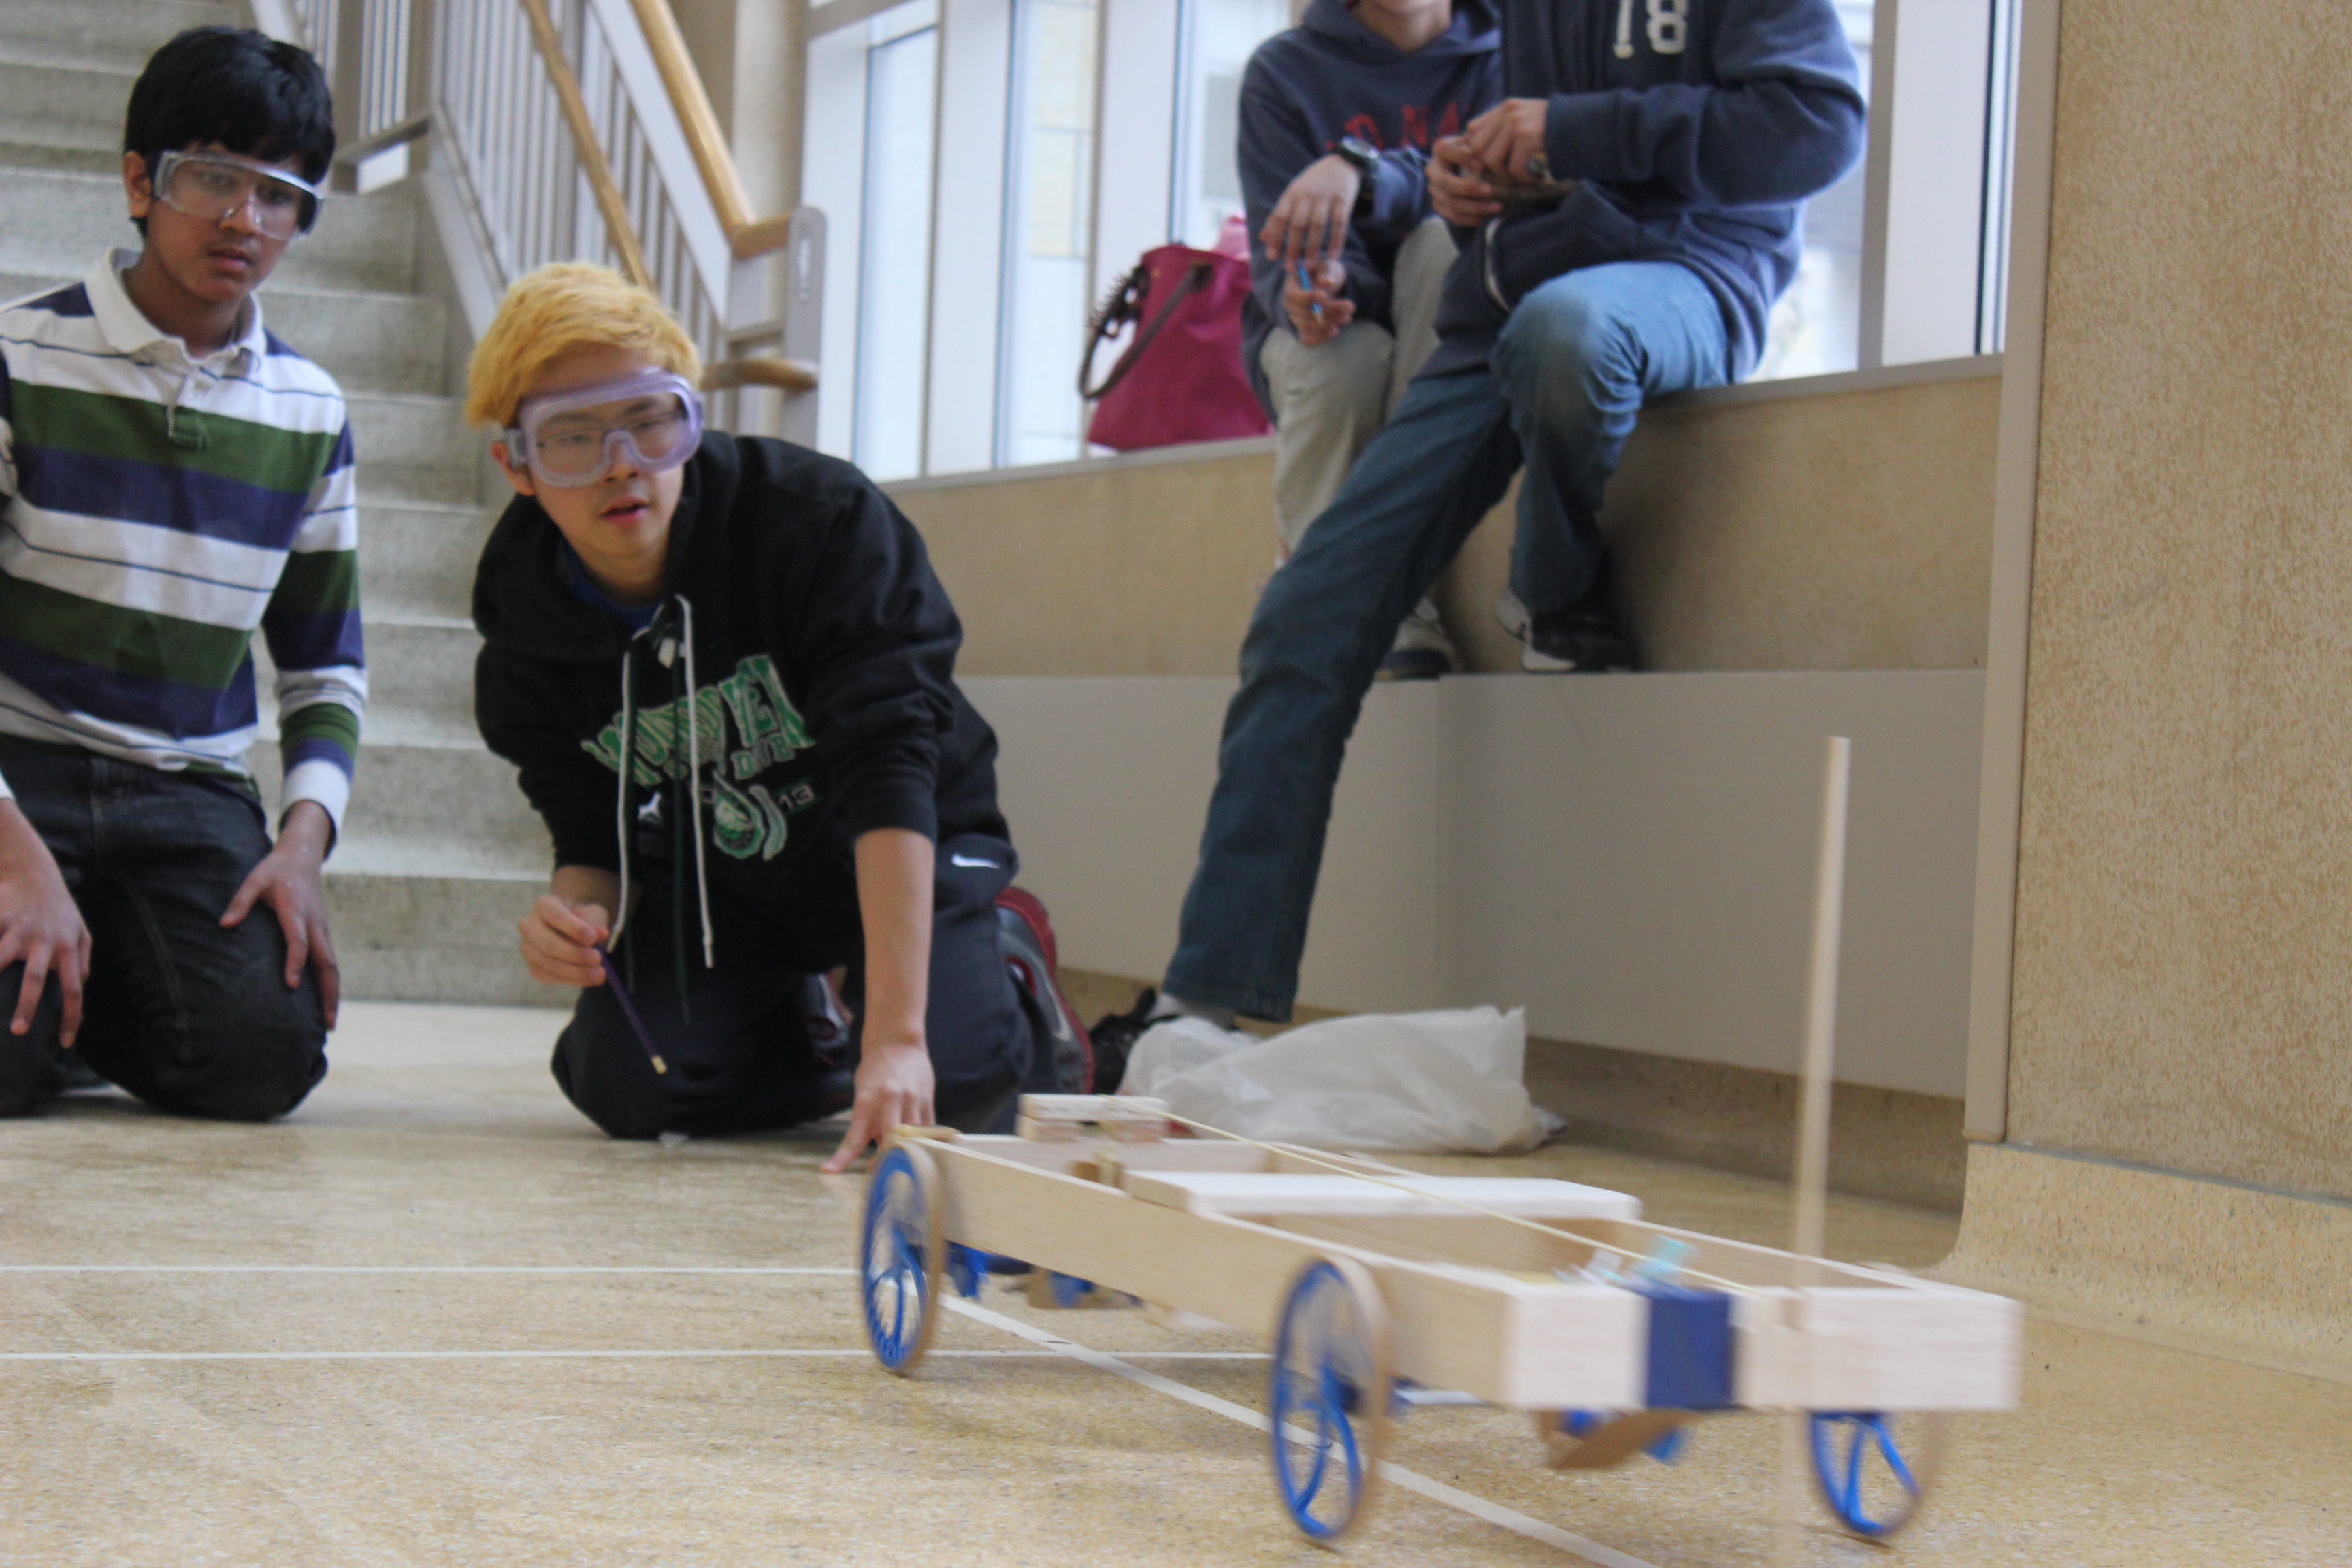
x: 1690, y: 1347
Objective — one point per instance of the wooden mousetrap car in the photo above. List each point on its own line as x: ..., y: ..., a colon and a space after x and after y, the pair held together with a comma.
x: 1382, y: 1291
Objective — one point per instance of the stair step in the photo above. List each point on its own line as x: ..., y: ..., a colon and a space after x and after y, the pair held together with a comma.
x: 416, y: 448
x: 429, y: 807
x: 419, y: 559
x: 61, y: 221
x: 420, y: 681
x: 368, y: 341
x: 434, y: 937
x: 73, y: 108
x: 115, y: 33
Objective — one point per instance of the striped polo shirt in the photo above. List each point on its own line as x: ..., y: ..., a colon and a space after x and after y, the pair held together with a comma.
x: 154, y: 510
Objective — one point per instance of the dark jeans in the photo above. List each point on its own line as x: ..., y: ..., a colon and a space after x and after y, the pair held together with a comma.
x: 742, y: 1063
x: 188, y: 1017
x: 1572, y: 370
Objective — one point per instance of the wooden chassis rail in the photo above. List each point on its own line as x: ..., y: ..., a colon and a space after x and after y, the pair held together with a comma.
x: 1473, y: 1300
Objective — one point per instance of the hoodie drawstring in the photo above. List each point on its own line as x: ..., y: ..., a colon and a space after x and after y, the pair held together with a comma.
x: 672, y: 625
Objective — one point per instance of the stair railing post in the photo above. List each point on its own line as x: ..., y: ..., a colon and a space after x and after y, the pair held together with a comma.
x: 346, y: 73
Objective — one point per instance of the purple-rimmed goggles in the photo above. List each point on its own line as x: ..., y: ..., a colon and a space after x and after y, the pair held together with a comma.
x: 574, y: 438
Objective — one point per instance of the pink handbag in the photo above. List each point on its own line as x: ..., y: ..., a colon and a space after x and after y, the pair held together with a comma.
x: 1180, y: 380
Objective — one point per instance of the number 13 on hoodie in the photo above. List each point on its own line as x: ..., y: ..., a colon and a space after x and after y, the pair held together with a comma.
x: 1669, y: 27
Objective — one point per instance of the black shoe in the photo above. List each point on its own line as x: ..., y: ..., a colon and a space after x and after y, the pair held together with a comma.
x: 1580, y: 641
x: 79, y: 1074
x: 1026, y: 937
x: 1114, y: 1035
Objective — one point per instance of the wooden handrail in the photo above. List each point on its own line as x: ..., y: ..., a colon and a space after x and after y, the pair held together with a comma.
x: 761, y: 370
x: 583, y: 141
x: 745, y: 237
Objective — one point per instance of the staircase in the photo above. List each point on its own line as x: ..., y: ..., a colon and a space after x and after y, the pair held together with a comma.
x: 439, y: 853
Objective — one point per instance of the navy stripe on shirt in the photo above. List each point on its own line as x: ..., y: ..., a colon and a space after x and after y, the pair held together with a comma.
x: 313, y: 640
x: 172, y: 707
x: 56, y: 479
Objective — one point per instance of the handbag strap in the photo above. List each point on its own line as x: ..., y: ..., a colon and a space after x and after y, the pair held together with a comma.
x: 1126, y: 306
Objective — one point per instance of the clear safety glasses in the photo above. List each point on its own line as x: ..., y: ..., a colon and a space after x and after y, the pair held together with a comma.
x: 208, y: 186
x: 570, y: 438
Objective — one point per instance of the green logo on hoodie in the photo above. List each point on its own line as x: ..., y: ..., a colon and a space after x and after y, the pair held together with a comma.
x: 768, y: 730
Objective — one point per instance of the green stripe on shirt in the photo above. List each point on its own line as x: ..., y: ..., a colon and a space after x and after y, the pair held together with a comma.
x: 133, y: 642
x: 319, y: 581
x: 134, y: 430
x: 320, y: 721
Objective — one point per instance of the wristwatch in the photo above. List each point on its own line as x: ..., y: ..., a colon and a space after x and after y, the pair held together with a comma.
x: 1364, y: 158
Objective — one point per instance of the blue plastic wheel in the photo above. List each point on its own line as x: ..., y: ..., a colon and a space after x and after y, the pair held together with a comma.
x: 1873, y: 1470
x: 899, y: 1256
x: 1329, y: 1392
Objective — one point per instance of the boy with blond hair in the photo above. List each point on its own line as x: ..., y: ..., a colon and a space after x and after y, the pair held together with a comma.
x: 727, y: 674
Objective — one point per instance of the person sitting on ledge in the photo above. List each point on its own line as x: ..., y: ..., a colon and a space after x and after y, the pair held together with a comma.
x: 727, y: 674
x: 1629, y: 213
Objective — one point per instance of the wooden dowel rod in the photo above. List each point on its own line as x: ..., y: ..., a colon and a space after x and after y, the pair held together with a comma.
x: 1821, y: 1004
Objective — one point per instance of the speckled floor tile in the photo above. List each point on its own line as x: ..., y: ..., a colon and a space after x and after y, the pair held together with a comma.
x: 377, y: 1432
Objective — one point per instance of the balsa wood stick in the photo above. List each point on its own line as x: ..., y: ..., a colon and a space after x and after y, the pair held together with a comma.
x: 1812, y: 1171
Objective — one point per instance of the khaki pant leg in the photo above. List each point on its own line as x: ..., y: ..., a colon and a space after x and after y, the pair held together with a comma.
x: 1327, y: 401
x: 1421, y: 264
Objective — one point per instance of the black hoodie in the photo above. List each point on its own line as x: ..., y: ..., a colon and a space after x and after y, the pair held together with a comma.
x: 823, y: 655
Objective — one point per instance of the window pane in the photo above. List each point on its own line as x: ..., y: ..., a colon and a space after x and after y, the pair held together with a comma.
x: 1214, y: 41
x: 894, y: 256
x: 1048, y: 220
x: 1817, y: 326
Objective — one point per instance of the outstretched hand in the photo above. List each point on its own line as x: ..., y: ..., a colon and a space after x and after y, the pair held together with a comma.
x: 895, y: 1084
x: 40, y: 925
x: 288, y: 880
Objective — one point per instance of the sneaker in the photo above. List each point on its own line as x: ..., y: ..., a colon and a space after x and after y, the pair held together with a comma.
x: 826, y: 1021
x: 1584, y: 639
x: 1114, y: 1035
x: 1422, y: 651
x: 1026, y: 937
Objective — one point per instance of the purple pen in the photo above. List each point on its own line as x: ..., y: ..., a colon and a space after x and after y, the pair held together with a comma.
x: 629, y: 1009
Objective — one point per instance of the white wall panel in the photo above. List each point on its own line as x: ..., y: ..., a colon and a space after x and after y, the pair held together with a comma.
x: 1628, y: 858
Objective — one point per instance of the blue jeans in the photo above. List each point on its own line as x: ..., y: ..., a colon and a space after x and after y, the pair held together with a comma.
x: 1574, y: 365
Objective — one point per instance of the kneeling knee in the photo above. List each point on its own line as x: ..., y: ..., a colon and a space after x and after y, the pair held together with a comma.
x: 257, y: 1076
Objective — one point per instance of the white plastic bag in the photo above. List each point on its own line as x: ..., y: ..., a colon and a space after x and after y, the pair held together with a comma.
x: 1431, y: 1082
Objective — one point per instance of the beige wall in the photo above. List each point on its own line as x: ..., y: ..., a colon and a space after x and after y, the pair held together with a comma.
x: 749, y: 55
x: 2183, y: 990
x: 1839, y: 531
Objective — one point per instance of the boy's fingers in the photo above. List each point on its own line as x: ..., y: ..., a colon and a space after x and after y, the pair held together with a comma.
x: 69, y: 979
x: 242, y: 905
x: 853, y: 1141
x: 331, y: 978
x: 28, y: 990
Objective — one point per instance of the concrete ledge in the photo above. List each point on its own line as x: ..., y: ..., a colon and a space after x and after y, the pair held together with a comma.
x: 2223, y: 1267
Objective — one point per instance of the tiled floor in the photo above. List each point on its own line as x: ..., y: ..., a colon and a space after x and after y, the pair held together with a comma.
x: 434, y: 1319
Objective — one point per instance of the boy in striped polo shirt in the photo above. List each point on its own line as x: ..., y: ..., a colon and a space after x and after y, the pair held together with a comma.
x: 173, y: 476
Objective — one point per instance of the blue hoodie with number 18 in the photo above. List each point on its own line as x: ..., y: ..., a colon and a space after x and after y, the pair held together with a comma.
x: 1695, y: 131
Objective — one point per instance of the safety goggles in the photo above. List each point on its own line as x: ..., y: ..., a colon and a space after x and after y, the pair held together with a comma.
x: 574, y: 438
x: 208, y: 186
